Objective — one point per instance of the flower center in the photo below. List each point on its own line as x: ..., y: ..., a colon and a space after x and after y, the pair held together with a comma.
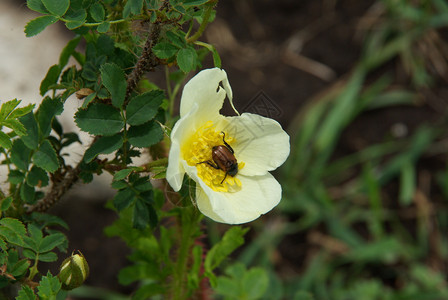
x: 197, y: 151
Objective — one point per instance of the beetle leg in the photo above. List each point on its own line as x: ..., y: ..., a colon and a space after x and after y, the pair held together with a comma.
x: 210, y: 164
x: 224, y: 177
x: 225, y: 143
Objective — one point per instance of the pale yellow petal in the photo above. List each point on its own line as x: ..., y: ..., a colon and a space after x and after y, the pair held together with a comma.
x: 259, y: 142
x: 259, y: 194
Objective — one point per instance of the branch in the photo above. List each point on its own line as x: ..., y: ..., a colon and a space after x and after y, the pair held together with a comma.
x: 57, y: 190
x: 147, y: 60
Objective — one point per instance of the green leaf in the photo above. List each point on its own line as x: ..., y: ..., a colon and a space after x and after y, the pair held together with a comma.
x: 115, y: 82
x: 27, y: 193
x: 37, y: 25
x: 145, y: 135
x: 20, y: 155
x: 103, y: 27
x: 122, y: 174
x: 50, y: 79
x: 187, y: 59
x: 76, y: 19
x: 99, y: 119
x: 26, y: 293
x: 19, y: 268
x: 46, y: 157
x: 68, y: 51
x: 51, y: 241
x: 37, y: 5
x: 37, y: 177
x: 56, y: 7
x: 48, y: 109
x: 255, y: 283
x: 143, y: 108
x: 231, y: 240
x: 165, y: 50
x: 6, y: 203
x: 5, y: 140
x: 97, y: 12
x: 21, y: 111
x: 132, y: 6
x: 194, y: 2
x: 49, y: 287
x: 16, y: 126
x: 7, y: 108
x: 15, y: 177
x: 12, y: 230
x: 31, y: 140
x: 144, y: 214
x: 123, y: 199
x: 48, y: 257
x: 104, y: 145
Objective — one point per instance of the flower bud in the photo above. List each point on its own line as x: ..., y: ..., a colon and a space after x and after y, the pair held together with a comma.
x: 74, y: 271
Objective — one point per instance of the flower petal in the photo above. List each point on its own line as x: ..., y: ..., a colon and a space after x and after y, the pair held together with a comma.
x: 205, y: 91
x: 260, y: 142
x: 259, y: 194
x: 183, y: 128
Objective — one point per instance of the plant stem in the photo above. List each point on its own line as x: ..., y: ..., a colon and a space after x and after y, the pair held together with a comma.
x: 205, y: 20
x: 188, y: 225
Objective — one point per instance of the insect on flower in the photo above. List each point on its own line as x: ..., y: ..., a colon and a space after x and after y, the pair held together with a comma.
x: 224, y: 158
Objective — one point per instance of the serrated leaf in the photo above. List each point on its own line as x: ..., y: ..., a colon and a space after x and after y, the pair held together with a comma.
x: 145, y: 135
x: 115, y: 82
x: 48, y: 109
x: 37, y: 25
x: 19, y: 268
x: 37, y: 177
x: 99, y: 119
x: 12, y: 230
x: 6, y: 203
x: 15, y: 177
x: 165, y: 50
x: 20, y: 155
x: 26, y: 293
x: 76, y: 19
x: 31, y: 139
x: 143, y: 108
x: 49, y: 287
x: 37, y: 5
x: 7, y: 108
x: 123, y: 198
x: 187, y: 59
x: 48, y: 257
x: 122, y: 174
x: 97, y: 11
x: 5, y: 140
x: 194, y: 2
x: 16, y: 126
x: 103, y: 27
x: 21, y: 111
x: 144, y: 214
x: 56, y: 7
x: 27, y: 193
x: 68, y: 51
x: 45, y: 157
x: 50, y: 79
x: 104, y: 145
x: 132, y: 6
x: 231, y: 240
x: 51, y: 241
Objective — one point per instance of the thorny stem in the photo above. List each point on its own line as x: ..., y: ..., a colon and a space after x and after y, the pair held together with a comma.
x: 205, y: 20
x: 57, y: 191
x: 188, y: 228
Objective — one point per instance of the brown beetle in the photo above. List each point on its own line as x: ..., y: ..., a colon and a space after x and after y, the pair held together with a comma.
x: 224, y: 159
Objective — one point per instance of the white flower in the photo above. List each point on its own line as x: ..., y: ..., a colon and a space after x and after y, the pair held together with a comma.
x: 260, y: 145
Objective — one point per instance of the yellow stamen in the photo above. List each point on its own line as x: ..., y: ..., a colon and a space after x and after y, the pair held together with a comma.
x: 198, y: 149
